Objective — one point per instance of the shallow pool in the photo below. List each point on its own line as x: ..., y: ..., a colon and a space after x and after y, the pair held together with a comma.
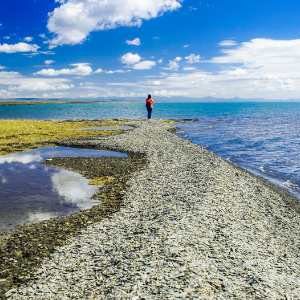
x: 30, y: 192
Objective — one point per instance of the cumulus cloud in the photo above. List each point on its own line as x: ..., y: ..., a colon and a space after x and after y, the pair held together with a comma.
x: 4, y: 94
x: 189, y: 68
x: 260, y: 68
x: 173, y: 64
x: 73, y: 21
x: 228, y: 43
x: 7, y: 37
x: 273, y: 64
x: 263, y: 53
x: 236, y: 72
x: 135, y: 42
x: 134, y: 61
x: 16, y: 82
x: 49, y: 62
x: 41, y: 86
x: 144, y: 65
x: 20, y: 47
x: 81, y: 69
x: 193, y: 58
x: 7, y: 78
x: 28, y: 39
x: 130, y: 59
x: 111, y: 71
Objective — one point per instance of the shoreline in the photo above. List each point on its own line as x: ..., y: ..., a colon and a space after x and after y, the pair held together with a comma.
x: 191, y: 225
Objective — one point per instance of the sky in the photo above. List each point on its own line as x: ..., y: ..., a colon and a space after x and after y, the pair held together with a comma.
x: 172, y: 49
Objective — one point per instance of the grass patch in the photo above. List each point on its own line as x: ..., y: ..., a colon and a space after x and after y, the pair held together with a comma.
x: 21, y: 135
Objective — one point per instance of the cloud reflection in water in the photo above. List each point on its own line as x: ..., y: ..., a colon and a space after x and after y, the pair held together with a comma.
x: 31, y: 192
x: 74, y: 188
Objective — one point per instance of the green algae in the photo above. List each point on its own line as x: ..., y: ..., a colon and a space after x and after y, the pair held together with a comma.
x: 21, y: 135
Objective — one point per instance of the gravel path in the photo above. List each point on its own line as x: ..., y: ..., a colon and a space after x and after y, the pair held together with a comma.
x: 192, y: 227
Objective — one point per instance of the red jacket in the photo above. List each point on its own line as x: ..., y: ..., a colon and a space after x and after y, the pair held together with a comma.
x: 149, y: 102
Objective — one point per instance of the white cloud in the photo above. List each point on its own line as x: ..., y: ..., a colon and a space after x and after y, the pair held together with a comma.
x: 4, y: 94
x: 41, y: 86
x: 160, y: 61
x: 144, y: 65
x: 9, y: 77
x: 193, y: 58
x: 189, y: 69
x: 130, y: 59
x: 236, y: 72
x: 20, y: 47
x: 260, y: 68
x: 228, y: 43
x: 81, y: 69
x: 73, y: 21
x: 56, y: 95
x: 28, y: 39
x: 98, y: 71
x: 156, y: 82
x: 173, y: 64
x: 185, y: 46
x: 135, y: 42
x: 122, y: 83
x: 49, y: 62
x: 16, y: 82
x: 133, y: 61
x: 7, y: 37
x: 112, y: 71
x: 263, y: 53
x: 1, y: 67
x: 42, y: 35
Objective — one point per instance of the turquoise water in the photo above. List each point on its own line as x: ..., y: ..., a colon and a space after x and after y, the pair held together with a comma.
x: 263, y: 138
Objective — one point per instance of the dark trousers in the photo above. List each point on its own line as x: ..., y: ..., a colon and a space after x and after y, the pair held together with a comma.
x: 149, y: 112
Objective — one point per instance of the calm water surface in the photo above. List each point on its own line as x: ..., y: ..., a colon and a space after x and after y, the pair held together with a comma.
x: 263, y: 138
x: 31, y: 192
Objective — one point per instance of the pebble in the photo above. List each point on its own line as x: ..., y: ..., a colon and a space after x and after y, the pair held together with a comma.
x: 192, y: 226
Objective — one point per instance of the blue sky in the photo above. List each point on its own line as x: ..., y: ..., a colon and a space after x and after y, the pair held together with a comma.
x: 90, y: 49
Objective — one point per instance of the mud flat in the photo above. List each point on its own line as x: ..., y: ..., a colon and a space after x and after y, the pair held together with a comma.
x: 190, y: 226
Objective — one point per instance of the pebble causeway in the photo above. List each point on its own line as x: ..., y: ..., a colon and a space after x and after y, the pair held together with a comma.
x: 192, y: 226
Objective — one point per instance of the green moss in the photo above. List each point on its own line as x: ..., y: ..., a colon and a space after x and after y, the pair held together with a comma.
x: 21, y: 135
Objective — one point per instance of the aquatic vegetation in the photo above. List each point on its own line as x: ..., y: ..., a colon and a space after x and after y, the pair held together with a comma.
x: 21, y: 135
x: 101, y: 180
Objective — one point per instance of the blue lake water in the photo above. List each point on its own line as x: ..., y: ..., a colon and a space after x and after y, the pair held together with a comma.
x: 263, y: 138
x: 31, y: 192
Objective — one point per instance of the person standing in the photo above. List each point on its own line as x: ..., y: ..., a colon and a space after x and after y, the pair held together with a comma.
x: 149, y: 106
